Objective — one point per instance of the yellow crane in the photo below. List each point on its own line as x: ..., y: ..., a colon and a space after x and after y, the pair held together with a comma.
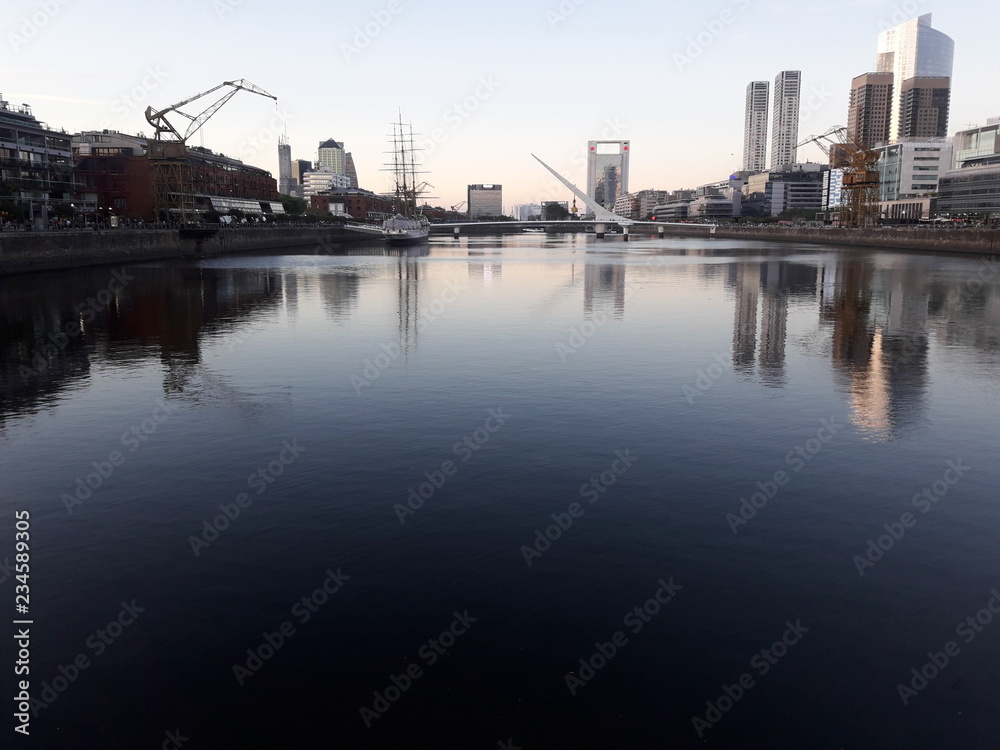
x: 860, y: 192
x: 168, y: 156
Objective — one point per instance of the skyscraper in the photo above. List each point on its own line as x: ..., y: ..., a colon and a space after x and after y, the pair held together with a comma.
x: 785, y: 124
x: 331, y: 156
x: 912, y: 50
x: 285, y: 182
x: 868, y: 113
x: 755, y: 126
x: 607, y: 171
x: 350, y: 170
x: 924, y: 103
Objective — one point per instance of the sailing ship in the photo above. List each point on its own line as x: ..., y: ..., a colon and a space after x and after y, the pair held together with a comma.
x: 408, y: 224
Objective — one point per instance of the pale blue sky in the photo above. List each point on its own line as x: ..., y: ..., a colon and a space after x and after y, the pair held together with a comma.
x: 541, y: 77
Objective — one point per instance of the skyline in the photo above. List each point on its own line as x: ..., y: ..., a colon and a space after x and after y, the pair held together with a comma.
x: 481, y: 102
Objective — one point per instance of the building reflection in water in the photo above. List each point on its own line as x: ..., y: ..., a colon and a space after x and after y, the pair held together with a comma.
x: 604, y: 286
x: 484, y: 269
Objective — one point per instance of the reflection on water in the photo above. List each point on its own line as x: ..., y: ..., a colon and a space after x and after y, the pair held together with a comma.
x: 376, y: 362
x: 877, y: 315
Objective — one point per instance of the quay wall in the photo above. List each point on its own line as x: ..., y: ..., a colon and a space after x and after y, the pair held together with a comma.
x: 32, y: 251
x: 972, y: 241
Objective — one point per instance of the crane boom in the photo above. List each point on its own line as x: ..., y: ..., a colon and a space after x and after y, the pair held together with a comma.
x: 162, y: 126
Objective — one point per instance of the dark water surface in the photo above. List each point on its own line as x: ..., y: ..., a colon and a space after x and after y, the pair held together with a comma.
x: 753, y: 487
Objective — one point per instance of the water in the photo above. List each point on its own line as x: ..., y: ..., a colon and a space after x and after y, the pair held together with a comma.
x: 724, y: 425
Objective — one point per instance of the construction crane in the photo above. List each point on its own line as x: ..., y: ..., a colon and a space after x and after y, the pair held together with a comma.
x: 860, y: 191
x: 162, y: 126
x: 457, y: 207
x: 168, y: 156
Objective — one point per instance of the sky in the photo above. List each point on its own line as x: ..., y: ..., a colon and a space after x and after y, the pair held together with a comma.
x: 484, y: 84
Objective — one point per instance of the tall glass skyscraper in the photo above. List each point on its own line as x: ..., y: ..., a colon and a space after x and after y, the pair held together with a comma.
x: 607, y: 171
x: 912, y: 50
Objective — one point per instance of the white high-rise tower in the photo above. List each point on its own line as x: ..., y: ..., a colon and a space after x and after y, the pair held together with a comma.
x: 785, y: 123
x: 755, y: 127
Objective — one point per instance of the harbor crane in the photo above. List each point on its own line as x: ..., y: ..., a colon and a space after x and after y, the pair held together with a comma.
x: 163, y: 127
x: 172, y: 182
x: 860, y: 191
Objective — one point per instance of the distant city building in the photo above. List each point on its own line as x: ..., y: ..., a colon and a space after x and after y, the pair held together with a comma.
x: 526, y: 211
x: 485, y: 201
x: 785, y: 123
x: 799, y: 186
x: 350, y: 170
x: 868, y: 114
x: 755, y: 126
x: 641, y: 204
x: 912, y: 50
x: 285, y: 181
x: 322, y: 179
x: 911, y: 169
x: 299, y: 168
x: 607, y: 171
x: 330, y: 155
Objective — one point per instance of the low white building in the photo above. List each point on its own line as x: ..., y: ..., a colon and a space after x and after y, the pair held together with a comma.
x: 321, y: 180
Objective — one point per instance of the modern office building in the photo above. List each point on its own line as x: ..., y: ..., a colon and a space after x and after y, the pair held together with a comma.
x: 36, y: 162
x: 868, y: 115
x: 785, y: 122
x: 485, y: 201
x: 299, y: 168
x: 285, y: 182
x: 322, y: 179
x: 607, y: 171
x: 755, y: 126
x: 912, y: 50
x: 331, y: 156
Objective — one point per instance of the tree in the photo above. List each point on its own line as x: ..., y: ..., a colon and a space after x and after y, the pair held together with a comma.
x: 63, y: 211
x: 10, y: 212
x: 212, y: 216
x: 555, y: 212
x: 293, y: 205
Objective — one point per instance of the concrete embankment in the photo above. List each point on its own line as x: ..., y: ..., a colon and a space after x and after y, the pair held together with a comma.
x: 971, y: 241
x: 32, y: 251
